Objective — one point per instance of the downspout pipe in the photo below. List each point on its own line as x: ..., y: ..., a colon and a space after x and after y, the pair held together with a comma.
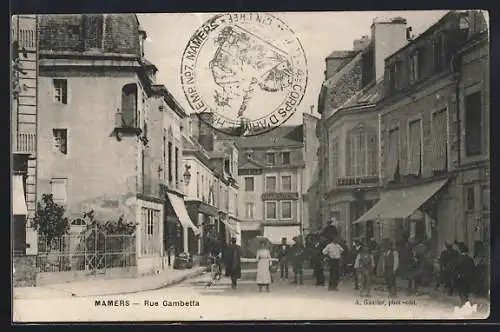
x: 457, y: 68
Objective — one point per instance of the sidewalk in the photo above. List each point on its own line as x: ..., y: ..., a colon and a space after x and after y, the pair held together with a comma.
x: 100, y: 287
x: 402, y: 285
x: 429, y: 292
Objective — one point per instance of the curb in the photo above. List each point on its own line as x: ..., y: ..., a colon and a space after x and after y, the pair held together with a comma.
x: 190, y: 275
x: 177, y: 280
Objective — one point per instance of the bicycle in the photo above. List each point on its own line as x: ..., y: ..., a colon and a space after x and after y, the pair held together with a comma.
x: 215, y: 272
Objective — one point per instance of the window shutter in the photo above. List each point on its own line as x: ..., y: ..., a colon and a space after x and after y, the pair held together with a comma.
x: 349, y: 156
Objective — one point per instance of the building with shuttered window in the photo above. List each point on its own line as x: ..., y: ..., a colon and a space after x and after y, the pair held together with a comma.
x: 99, y: 133
x: 433, y: 129
x: 349, y: 131
x: 24, y: 109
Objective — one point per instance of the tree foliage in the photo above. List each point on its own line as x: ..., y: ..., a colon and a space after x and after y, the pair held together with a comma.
x: 111, y: 227
x: 49, y: 219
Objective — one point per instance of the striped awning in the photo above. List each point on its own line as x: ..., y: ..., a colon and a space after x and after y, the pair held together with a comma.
x: 181, y: 213
x: 19, y: 206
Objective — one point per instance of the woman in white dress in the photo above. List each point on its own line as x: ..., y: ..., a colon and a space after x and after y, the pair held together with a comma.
x: 263, y: 267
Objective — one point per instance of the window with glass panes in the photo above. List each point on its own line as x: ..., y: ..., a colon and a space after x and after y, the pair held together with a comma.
x: 285, y: 156
x: 151, y: 244
x: 271, y: 183
x: 439, y: 140
x: 271, y: 210
x: 271, y: 158
x: 286, y: 209
x: 473, y: 118
x: 249, y: 210
x: 362, y: 153
x: 286, y: 183
x: 249, y: 184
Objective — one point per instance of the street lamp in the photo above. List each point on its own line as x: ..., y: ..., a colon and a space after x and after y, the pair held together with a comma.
x: 187, y: 175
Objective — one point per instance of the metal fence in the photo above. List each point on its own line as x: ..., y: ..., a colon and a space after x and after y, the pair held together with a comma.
x: 93, y: 251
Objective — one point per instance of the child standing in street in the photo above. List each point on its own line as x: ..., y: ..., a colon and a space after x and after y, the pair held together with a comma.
x: 364, y: 266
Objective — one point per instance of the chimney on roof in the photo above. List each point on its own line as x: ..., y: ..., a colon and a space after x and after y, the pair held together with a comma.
x: 388, y: 35
x: 336, y: 60
x: 361, y: 43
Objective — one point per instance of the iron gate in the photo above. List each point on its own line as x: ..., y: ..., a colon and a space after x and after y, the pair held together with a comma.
x: 92, y: 251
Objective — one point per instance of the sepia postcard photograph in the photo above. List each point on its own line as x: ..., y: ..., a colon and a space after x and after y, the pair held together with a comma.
x: 234, y: 166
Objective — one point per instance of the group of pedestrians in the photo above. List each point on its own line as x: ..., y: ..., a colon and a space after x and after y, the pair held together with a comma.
x: 457, y: 269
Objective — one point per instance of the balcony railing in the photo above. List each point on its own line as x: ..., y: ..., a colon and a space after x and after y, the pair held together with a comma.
x: 357, y: 180
x: 26, y: 143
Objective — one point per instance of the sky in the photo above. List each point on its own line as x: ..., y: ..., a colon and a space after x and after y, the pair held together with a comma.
x: 320, y: 33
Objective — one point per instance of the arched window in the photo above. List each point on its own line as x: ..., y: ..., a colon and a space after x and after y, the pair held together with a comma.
x: 361, y: 152
x: 129, y: 105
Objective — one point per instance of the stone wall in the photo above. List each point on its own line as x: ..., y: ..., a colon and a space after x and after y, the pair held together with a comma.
x: 24, y: 271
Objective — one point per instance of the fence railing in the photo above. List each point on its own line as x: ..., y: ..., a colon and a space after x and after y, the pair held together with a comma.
x: 92, y: 251
x: 26, y: 142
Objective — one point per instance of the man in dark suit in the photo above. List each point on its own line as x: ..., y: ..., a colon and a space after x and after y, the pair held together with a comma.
x: 283, y: 258
x: 232, y: 259
x: 464, y: 273
x: 297, y: 257
x: 317, y: 261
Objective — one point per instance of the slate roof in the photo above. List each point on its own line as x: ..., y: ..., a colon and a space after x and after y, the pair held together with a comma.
x: 370, y: 95
x: 283, y: 136
x: 341, y: 54
x: 243, y: 160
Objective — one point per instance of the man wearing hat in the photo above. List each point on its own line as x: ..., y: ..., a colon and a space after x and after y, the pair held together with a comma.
x: 297, y: 256
x: 464, y: 273
x: 391, y: 265
x: 232, y: 259
x: 283, y: 258
x: 446, y: 259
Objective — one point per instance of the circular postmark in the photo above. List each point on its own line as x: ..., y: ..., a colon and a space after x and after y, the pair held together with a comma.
x: 244, y: 73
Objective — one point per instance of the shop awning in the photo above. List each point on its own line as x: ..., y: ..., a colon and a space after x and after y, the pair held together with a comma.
x: 19, y: 206
x: 181, y: 213
x: 230, y: 227
x: 276, y: 233
x: 401, y: 203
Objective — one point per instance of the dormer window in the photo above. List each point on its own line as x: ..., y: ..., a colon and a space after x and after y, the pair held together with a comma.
x: 395, y: 71
x: 93, y: 28
x: 271, y: 158
x: 285, y: 158
x: 437, y: 45
x: 464, y: 23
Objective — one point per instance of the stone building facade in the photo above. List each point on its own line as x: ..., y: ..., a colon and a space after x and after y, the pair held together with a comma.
x: 23, y: 124
x: 348, y: 129
x: 24, y: 109
x: 213, y: 189
x: 276, y: 171
x: 98, y: 138
x: 430, y: 85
